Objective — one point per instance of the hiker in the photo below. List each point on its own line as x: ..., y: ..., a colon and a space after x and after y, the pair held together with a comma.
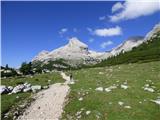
x: 71, y: 77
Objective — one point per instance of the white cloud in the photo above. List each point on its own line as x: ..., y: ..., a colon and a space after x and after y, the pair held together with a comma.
x: 102, y: 18
x: 134, y: 9
x: 62, y: 31
x: 105, y: 44
x: 117, y: 7
x: 108, y: 31
x: 91, y: 40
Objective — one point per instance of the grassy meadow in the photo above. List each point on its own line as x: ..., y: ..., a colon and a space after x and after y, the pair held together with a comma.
x: 104, y: 105
x: 100, y: 105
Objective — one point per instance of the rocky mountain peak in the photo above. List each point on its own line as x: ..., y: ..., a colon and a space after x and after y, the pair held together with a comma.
x: 75, y: 42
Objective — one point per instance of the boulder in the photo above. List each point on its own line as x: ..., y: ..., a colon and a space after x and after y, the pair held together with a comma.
x: 36, y: 88
x: 3, y: 89
x: 10, y: 88
x: 99, y: 89
x: 27, y: 89
x: 18, y: 88
x: 45, y: 87
x: 27, y: 85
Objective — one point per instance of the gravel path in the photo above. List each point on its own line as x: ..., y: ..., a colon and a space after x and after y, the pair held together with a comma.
x: 49, y: 103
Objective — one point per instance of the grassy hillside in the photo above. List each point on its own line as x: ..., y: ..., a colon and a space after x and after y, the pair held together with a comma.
x: 148, y: 51
x: 104, y: 105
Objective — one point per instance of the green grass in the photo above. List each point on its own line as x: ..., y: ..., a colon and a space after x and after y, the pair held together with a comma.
x: 38, y: 79
x: 98, y: 102
x: 10, y: 101
x: 7, y: 101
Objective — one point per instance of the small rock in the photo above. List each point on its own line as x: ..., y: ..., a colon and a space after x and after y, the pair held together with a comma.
x: 82, y: 109
x: 35, y: 88
x: 80, y: 99
x: 107, y: 89
x: 88, y: 112
x: 97, y: 116
x: 49, y: 80
x: 149, y: 89
x: 17, y: 97
x: 99, y: 89
x: 128, y: 107
x: 16, y: 114
x: 110, y: 88
x: 124, y: 86
x: 22, y: 106
x: 120, y: 103
x: 156, y: 101
x: 146, y: 85
x: 78, y: 113
x: 101, y: 73
x: 45, y: 87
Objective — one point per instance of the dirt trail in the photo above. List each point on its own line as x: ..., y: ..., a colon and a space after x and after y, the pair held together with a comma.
x: 49, y: 103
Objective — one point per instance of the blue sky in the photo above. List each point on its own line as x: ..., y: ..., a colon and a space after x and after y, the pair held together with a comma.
x: 30, y: 27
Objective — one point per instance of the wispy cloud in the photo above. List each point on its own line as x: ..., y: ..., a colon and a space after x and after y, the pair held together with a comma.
x: 133, y: 9
x: 108, y: 31
x: 102, y: 18
x: 106, y: 44
x: 91, y: 40
x: 62, y: 31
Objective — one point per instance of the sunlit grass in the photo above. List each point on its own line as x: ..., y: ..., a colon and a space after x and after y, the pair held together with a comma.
x: 104, y: 105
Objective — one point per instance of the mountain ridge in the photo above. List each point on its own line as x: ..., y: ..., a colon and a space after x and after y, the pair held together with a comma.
x: 79, y: 53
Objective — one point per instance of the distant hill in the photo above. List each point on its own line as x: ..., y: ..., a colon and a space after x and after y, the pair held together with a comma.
x: 149, y: 50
